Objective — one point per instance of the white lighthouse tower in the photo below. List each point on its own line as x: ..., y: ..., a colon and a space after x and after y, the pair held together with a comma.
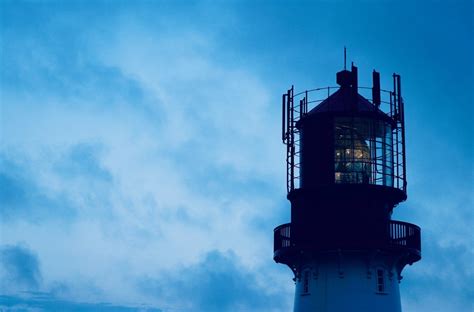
x: 345, y: 175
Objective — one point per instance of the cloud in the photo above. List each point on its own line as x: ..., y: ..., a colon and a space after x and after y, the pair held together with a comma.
x: 21, y: 283
x: 71, y: 178
x: 37, y: 301
x: 442, y: 281
x: 217, y: 283
x: 24, y: 198
x: 19, y: 269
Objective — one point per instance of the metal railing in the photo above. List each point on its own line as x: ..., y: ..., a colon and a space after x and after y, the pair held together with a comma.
x: 400, y: 234
x: 282, y: 236
x: 405, y: 234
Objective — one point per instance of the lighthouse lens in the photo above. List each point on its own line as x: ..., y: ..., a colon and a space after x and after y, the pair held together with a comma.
x: 363, y: 151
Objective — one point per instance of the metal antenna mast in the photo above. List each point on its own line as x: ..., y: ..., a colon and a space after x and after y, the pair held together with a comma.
x: 344, y: 57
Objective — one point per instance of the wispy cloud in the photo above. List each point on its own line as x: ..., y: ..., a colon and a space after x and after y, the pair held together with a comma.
x: 217, y: 283
x: 150, y: 170
x: 19, y: 269
x: 36, y: 301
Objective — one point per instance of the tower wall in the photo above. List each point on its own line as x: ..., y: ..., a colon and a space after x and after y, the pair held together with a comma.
x: 341, y: 282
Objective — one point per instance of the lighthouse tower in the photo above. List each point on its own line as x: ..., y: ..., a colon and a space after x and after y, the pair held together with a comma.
x: 345, y: 175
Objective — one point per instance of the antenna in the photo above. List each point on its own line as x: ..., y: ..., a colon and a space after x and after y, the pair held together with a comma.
x: 344, y: 57
x: 376, y: 88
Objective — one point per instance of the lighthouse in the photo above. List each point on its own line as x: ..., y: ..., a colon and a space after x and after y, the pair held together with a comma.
x: 346, y: 173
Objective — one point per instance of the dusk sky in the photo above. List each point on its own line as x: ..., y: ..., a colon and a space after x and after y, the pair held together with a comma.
x: 141, y: 164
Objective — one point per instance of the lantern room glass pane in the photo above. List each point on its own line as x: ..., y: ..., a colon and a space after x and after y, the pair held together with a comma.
x: 363, y: 151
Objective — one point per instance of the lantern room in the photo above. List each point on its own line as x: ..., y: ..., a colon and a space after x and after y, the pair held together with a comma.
x: 346, y: 138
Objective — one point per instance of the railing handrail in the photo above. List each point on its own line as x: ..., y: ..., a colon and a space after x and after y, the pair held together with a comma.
x: 282, y: 226
x: 400, y: 234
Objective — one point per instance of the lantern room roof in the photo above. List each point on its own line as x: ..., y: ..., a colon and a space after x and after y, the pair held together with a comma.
x: 343, y: 102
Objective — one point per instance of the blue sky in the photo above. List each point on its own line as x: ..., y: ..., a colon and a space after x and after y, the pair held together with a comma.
x: 141, y: 166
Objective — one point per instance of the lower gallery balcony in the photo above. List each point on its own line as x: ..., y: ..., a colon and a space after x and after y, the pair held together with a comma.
x: 398, y: 237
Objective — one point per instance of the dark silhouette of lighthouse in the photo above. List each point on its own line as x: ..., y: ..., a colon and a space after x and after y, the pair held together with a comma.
x: 346, y: 172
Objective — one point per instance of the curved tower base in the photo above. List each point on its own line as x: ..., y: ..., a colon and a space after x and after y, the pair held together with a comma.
x: 348, y: 281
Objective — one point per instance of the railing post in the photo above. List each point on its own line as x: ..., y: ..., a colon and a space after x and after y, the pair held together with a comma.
x: 306, y: 102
